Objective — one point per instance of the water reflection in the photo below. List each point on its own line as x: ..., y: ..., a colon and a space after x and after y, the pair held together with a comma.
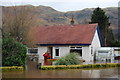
x: 32, y: 72
x: 76, y: 73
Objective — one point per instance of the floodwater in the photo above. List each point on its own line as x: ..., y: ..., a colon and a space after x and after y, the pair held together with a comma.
x: 33, y: 72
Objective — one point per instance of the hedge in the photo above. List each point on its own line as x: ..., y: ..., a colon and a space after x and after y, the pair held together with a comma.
x: 12, y: 68
x: 103, y: 65
x: 13, y: 53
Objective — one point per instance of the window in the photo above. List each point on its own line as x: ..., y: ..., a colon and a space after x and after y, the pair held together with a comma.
x: 57, y: 52
x: 33, y: 51
x: 72, y: 47
x: 79, y: 51
x: 102, y: 51
x: 78, y: 47
x: 116, y: 49
x: 76, y: 50
x: 91, y: 50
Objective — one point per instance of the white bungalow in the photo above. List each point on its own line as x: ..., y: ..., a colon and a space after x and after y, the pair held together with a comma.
x: 61, y: 40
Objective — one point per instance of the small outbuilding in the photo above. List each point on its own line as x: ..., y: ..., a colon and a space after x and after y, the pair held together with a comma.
x: 104, y: 54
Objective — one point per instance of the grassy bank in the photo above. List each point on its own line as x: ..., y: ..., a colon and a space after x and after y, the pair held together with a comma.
x: 12, y: 68
x: 103, y: 65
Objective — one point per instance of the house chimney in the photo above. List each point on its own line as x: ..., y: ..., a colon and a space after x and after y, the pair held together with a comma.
x: 72, y: 21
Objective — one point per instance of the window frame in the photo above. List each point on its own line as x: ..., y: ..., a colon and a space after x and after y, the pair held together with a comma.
x: 32, y: 50
x: 76, y: 48
x: 57, y: 48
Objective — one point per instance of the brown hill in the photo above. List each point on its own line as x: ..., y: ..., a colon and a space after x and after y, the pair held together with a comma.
x: 48, y: 16
x: 51, y: 16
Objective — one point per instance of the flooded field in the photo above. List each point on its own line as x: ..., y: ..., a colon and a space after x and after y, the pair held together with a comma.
x: 95, y: 73
x: 32, y: 72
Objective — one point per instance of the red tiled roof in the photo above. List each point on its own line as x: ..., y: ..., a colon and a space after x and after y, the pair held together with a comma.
x: 77, y: 34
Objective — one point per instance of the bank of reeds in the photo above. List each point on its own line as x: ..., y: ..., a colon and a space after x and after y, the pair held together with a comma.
x: 83, y: 66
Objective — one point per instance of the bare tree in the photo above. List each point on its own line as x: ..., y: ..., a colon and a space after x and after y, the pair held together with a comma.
x: 17, y: 20
x: 85, y: 21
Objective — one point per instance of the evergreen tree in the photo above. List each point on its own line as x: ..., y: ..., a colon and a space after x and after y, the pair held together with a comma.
x: 100, y: 17
x: 13, y: 52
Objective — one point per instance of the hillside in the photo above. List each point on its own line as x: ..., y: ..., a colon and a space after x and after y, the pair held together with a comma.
x: 51, y: 16
x: 48, y: 16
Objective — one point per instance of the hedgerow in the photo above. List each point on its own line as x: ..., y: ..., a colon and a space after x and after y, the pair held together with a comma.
x: 85, y: 66
x: 12, y: 68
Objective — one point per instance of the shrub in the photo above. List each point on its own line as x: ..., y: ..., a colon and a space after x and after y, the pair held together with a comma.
x: 70, y: 59
x: 13, y: 53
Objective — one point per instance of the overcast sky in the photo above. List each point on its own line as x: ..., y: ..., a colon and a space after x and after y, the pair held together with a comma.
x: 64, y: 5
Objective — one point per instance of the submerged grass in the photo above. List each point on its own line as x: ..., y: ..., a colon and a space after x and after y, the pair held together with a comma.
x: 84, y: 66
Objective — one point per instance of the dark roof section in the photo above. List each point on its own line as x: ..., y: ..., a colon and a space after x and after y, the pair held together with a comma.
x: 77, y: 34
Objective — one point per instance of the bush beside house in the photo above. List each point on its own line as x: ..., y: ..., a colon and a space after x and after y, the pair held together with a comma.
x: 13, y: 53
x: 70, y: 59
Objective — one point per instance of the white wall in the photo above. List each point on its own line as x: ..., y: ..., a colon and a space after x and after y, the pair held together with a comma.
x: 41, y: 51
x: 63, y: 50
x: 95, y: 44
x: 86, y: 53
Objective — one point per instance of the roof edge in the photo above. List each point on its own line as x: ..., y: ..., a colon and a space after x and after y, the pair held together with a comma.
x: 99, y: 35
x: 63, y: 44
